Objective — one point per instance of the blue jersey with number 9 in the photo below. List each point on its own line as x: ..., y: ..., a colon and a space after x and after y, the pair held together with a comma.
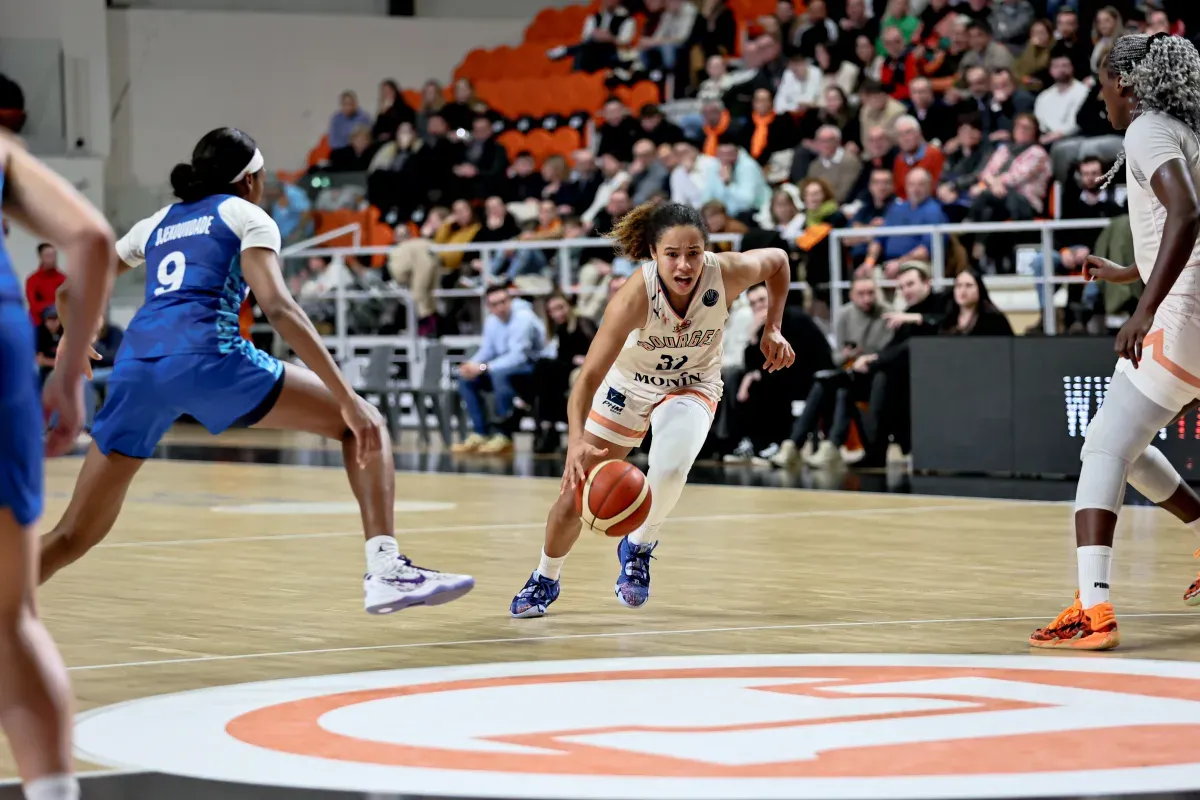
x: 194, y: 285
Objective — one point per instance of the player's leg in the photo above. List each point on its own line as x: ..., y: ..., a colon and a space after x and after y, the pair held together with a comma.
x: 562, y: 531
x: 1161, y: 484
x: 680, y: 426
x: 1125, y: 425
x: 95, y: 504
x: 392, y: 582
x: 135, y: 415
x: 35, y: 693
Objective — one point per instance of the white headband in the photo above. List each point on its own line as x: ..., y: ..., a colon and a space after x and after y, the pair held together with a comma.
x: 256, y: 163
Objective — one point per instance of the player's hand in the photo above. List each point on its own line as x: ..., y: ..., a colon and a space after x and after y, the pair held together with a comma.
x: 579, y: 455
x: 1132, y: 334
x: 366, y: 423
x: 63, y: 395
x: 776, y: 350
x: 1101, y: 269
x: 92, y: 355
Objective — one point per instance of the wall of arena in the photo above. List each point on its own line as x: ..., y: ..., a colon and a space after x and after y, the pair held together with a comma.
x: 276, y: 76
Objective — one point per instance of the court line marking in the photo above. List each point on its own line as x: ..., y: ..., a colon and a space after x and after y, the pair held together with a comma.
x: 750, y: 515
x: 722, y: 486
x: 573, y: 636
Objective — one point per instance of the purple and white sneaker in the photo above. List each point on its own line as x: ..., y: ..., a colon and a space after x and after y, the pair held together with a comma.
x: 403, y: 584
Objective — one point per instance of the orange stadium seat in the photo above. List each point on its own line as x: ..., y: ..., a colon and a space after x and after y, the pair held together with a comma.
x: 543, y: 26
x: 540, y: 143
x: 513, y: 142
x: 566, y: 141
x: 640, y: 94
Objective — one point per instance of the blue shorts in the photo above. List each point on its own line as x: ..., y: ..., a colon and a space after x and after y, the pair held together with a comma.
x: 218, y: 390
x: 21, y: 422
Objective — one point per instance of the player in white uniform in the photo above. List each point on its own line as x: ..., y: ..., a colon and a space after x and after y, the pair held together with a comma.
x: 654, y: 364
x: 1151, y: 88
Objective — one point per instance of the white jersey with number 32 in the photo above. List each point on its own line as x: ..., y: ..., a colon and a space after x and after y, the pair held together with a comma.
x: 671, y: 352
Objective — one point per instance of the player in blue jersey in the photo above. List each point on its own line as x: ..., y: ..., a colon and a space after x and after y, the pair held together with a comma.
x: 183, y: 354
x: 35, y: 693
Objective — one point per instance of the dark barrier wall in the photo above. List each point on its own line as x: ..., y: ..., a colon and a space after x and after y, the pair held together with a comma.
x: 1019, y: 405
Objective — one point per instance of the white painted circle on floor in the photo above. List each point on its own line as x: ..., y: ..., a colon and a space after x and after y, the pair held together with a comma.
x: 756, y: 727
x: 302, y: 508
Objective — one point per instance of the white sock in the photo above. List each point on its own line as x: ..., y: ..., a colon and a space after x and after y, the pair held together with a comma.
x: 1094, y: 563
x: 382, y: 552
x: 645, y: 533
x: 53, y: 787
x: 550, y: 567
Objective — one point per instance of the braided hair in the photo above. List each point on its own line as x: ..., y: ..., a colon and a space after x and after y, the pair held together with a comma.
x: 1164, y: 73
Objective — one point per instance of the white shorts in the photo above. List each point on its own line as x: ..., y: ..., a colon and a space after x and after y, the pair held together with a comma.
x: 621, y: 412
x: 1169, y: 372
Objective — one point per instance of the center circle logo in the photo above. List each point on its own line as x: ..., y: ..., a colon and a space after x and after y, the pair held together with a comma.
x: 761, y: 726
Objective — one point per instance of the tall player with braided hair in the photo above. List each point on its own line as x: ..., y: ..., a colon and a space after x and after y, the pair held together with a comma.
x: 655, y: 364
x: 1151, y: 88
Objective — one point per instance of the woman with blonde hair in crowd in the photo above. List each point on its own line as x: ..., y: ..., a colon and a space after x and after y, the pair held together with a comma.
x: 821, y: 215
x: 433, y: 100
x: 1107, y: 28
x: 1032, y: 68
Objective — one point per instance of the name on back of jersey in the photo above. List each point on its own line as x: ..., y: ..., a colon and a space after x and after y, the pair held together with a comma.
x: 180, y: 230
x: 700, y: 338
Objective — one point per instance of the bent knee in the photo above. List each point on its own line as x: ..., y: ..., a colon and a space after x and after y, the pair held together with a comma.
x: 672, y: 473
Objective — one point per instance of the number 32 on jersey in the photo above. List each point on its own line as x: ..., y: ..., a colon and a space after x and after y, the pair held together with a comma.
x: 669, y: 363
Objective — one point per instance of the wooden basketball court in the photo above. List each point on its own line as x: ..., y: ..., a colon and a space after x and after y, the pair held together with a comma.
x: 226, y: 573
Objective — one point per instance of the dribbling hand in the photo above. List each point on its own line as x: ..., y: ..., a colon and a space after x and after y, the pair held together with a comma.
x: 366, y: 423
x: 776, y: 350
x: 579, y: 455
x: 63, y: 395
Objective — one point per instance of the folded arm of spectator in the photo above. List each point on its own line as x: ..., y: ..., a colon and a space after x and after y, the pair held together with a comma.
x: 1030, y: 165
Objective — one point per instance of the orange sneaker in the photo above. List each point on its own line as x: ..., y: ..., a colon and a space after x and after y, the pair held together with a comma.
x: 1192, y: 596
x: 1078, y: 628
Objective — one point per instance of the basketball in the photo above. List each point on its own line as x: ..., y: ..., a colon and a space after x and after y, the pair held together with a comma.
x: 614, y: 500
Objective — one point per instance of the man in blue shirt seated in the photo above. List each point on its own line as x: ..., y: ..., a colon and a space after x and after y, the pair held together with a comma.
x: 921, y: 208
x: 880, y: 197
x: 513, y: 336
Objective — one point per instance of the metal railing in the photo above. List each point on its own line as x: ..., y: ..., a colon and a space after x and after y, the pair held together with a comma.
x: 304, y: 245
x: 343, y: 296
x: 1046, y: 282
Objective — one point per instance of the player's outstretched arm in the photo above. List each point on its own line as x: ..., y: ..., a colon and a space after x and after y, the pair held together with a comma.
x: 50, y: 207
x: 1173, y: 186
x: 47, y: 205
x: 260, y: 267
x: 625, y: 313
x: 771, y: 266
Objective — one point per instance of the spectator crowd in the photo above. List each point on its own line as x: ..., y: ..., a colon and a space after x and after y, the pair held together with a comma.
x: 825, y: 115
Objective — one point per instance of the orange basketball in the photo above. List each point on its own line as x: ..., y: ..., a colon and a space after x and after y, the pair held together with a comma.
x: 614, y: 500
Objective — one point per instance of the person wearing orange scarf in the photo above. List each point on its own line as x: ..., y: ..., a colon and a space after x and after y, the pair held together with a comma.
x: 768, y: 132
x: 716, y: 122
